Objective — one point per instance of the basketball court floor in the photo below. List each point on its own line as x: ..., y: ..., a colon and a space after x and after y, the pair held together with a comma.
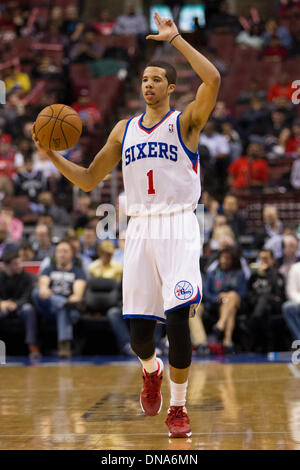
x: 238, y: 402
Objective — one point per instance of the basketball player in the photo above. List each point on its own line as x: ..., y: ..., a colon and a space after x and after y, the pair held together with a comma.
x: 161, y: 278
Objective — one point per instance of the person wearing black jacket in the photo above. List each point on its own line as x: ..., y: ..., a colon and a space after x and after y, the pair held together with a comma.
x: 266, y: 293
x: 16, y: 286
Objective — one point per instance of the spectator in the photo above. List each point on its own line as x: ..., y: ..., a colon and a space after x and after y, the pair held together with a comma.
x: 16, y: 79
x: 210, y: 207
x: 275, y: 243
x: 88, y: 111
x: 273, y: 29
x: 16, y: 286
x: 219, y: 232
x: 26, y: 252
x: 24, y: 147
x: 104, y: 266
x: 29, y: 182
x: 14, y: 225
x: 87, y: 49
x: 42, y: 244
x: 233, y: 138
x: 291, y: 138
x: 264, y: 299
x: 5, y: 243
x: 282, y: 88
x: 290, y: 255
x: 89, y: 242
x: 254, y: 91
x: 43, y: 164
x: 131, y: 23
x: 223, y: 289
x: 251, y: 38
x: 52, y: 35
x: 272, y: 226
x: 219, y: 149
x: 275, y: 126
x: 253, y: 120
x: 275, y: 51
x: 288, y: 8
x: 72, y: 26
x: 221, y: 113
x: 7, y: 167
x: 105, y: 25
x: 250, y: 170
x: 79, y: 215
x: 60, y: 293
x: 223, y: 21
x: 226, y: 241
x: 48, y: 206
x: 231, y: 211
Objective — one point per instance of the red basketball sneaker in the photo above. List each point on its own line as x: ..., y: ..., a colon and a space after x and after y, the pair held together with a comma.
x: 151, y: 397
x: 178, y: 422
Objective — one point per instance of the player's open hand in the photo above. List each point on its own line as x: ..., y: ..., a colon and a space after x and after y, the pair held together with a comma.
x: 167, y: 29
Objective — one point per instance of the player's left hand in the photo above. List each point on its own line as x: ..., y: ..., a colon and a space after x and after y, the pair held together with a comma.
x: 167, y: 29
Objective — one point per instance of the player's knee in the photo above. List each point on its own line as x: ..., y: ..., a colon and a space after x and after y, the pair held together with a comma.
x: 178, y: 331
x: 141, y: 337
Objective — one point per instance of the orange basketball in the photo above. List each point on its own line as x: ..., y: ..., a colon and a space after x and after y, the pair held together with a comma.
x: 58, y: 127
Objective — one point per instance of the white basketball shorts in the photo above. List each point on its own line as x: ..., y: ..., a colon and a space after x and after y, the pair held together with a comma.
x: 161, y: 265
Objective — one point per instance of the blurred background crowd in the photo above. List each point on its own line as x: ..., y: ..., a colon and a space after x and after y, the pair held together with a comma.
x: 60, y: 274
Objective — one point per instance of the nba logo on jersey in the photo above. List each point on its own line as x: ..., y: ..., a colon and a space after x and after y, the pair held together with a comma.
x: 171, y: 128
x: 183, y: 290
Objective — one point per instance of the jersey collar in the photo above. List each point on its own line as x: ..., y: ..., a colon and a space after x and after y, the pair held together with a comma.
x: 149, y: 130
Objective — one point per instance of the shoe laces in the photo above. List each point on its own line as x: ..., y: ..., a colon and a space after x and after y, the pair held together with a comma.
x: 150, y: 385
x: 177, y: 414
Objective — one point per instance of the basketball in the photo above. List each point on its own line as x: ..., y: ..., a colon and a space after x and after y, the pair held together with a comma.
x: 58, y: 127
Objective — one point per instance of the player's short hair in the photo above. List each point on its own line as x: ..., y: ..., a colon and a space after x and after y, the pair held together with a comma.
x: 171, y: 73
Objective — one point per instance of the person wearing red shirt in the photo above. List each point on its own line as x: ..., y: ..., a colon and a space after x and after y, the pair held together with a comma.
x: 293, y: 138
x: 282, y: 88
x: 250, y: 170
x: 88, y: 111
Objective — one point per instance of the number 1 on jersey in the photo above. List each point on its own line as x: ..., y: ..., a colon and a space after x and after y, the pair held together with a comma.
x: 151, y: 189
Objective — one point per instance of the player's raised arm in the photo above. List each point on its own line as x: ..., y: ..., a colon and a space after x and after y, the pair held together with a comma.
x: 105, y: 160
x: 196, y: 113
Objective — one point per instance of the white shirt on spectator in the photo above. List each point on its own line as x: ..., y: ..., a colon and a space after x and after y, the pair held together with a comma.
x: 216, y: 144
x: 127, y: 24
x: 293, y: 284
x: 295, y: 174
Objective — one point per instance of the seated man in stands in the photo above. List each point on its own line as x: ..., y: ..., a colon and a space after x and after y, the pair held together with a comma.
x: 60, y: 292
x: 16, y: 286
x: 272, y: 227
x: 224, y: 288
x: 290, y: 254
x: 5, y: 240
x: 264, y: 299
x: 104, y: 266
x: 231, y: 211
x: 42, y: 243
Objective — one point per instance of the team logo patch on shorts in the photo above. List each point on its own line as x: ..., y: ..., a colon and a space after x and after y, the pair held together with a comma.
x: 183, y: 290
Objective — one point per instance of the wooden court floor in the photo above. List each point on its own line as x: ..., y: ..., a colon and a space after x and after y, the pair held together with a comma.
x: 231, y: 406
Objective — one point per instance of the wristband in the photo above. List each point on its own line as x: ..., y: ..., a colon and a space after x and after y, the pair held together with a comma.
x: 174, y: 37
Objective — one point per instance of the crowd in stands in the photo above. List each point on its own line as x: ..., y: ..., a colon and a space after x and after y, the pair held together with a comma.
x: 250, y: 170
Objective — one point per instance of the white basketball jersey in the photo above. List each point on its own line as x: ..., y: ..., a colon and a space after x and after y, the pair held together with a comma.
x: 161, y: 175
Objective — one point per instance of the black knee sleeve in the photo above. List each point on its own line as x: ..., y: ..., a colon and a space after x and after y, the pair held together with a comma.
x: 142, y: 337
x: 178, y: 331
